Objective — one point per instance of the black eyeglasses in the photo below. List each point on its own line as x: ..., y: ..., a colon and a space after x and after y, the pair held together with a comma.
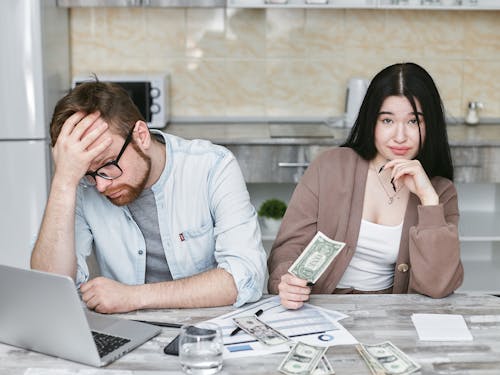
x: 110, y: 170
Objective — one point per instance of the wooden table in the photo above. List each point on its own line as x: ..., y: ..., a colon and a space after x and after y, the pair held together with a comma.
x: 372, y: 319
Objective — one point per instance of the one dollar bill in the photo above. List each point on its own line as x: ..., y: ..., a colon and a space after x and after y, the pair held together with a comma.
x: 316, y: 257
x: 260, y: 330
x: 386, y: 358
x: 302, y: 359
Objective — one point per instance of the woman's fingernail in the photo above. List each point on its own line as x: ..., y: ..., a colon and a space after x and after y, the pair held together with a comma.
x: 381, y: 168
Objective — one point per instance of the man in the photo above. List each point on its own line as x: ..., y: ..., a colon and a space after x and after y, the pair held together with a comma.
x: 170, y: 219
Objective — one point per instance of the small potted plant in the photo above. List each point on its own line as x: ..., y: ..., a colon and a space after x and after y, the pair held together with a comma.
x: 272, y: 211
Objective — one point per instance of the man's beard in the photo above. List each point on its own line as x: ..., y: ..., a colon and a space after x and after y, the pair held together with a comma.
x: 129, y: 192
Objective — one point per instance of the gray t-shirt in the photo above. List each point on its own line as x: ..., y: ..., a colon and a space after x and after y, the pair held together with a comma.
x: 145, y: 214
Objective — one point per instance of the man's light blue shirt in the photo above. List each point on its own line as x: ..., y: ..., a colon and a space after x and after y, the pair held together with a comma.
x: 205, y: 217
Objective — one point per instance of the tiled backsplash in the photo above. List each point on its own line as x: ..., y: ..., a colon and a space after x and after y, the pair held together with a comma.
x: 288, y: 62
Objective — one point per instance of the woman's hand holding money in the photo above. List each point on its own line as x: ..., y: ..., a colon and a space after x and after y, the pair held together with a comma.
x: 293, y: 291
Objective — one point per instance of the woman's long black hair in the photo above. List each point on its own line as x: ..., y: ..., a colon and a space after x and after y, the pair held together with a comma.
x: 413, y: 82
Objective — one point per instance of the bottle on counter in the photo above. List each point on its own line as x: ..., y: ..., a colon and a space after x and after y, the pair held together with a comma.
x: 472, y: 117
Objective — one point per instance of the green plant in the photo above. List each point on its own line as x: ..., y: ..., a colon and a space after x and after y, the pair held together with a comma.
x: 273, y: 208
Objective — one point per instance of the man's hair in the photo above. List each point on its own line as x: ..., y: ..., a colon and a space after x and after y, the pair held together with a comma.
x: 413, y: 82
x: 110, y: 99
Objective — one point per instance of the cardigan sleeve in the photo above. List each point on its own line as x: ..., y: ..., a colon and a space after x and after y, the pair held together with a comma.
x: 298, y: 227
x: 436, y: 269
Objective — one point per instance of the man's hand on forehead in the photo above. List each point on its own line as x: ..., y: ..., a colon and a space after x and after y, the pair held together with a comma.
x: 83, y: 138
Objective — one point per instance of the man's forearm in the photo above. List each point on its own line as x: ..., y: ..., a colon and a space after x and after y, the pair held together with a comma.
x: 54, y: 249
x: 208, y: 289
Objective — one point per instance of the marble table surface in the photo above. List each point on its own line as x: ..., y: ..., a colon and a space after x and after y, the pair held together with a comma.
x: 372, y: 319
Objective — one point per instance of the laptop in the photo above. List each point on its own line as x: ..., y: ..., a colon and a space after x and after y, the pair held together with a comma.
x: 42, y: 312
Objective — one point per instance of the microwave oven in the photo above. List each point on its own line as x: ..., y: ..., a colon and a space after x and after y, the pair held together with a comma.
x: 149, y: 92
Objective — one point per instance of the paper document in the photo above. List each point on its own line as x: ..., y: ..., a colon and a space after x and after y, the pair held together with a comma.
x: 441, y: 327
x: 310, y: 324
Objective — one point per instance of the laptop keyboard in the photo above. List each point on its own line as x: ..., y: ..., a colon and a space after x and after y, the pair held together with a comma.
x: 107, y: 343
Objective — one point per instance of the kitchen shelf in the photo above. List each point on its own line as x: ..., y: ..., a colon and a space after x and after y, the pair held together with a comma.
x: 479, y: 226
x: 360, y: 4
x: 481, y: 276
x: 142, y: 3
x: 440, y: 5
x: 98, y: 3
x: 370, y: 4
x: 184, y: 3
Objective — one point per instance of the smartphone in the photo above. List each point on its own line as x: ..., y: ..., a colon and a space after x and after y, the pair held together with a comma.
x: 173, y: 347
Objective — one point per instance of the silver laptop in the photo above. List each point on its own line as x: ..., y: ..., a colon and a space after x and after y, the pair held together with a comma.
x: 42, y: 312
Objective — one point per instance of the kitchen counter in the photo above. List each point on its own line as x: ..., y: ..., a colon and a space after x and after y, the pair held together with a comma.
x: 261, y: 133
x: 281, y: 151
x: 312, y: 133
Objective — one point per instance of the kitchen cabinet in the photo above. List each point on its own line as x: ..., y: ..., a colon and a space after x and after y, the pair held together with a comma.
x: 476, y: 163
x: 280, y: 163
x: 274, y: 163
x: 141, y: 3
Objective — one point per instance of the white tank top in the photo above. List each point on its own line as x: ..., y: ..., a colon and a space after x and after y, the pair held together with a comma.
x: 372, y: 266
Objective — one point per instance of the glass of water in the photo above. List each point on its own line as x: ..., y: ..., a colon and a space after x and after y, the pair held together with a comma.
x: 200, y: 348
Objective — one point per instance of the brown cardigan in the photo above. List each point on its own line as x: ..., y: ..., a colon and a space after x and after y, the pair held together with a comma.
x: 329, y: 198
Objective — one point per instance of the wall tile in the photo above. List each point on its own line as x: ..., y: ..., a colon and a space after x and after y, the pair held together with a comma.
x: 245, y: 91
x: 246, y: 33
x: 481, y: 83
x: 323, y: 91
x: 285, y: 33
x: 206, y: 32
x: 482, y: 35
x: 284, y: 87
x: 203, y: 88
x: 365, y: 28
x: 448, y: 76
x: 165, y: 33
x: 324, y: 33
x: 288, y: 62
x: 424, y: 34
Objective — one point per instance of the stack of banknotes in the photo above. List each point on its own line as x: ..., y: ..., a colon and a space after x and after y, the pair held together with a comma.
x: 386, y: 359
x: 304, y: 359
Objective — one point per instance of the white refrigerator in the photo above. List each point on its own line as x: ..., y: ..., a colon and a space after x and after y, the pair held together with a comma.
x: 34, y: 74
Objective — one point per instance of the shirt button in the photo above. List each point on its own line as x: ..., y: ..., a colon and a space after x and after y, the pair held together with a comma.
x: 403, y: 267
x: 140, y: 252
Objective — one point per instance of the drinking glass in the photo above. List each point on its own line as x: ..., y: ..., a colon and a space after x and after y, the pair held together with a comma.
x: 200, y: 348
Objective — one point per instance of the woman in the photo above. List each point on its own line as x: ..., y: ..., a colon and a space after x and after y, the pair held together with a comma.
x: 387, y: 193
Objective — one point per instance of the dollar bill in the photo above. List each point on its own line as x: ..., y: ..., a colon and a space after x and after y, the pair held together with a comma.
x: 373, y: 366
x: 302, y: 359
x: 324, y: 367
x: 316, y: 257
x: 389, y: 359
x: 260, y: 330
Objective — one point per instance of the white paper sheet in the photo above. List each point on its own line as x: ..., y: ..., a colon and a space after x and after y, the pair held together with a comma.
x: 441, y: 327
x: 309, y: 324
